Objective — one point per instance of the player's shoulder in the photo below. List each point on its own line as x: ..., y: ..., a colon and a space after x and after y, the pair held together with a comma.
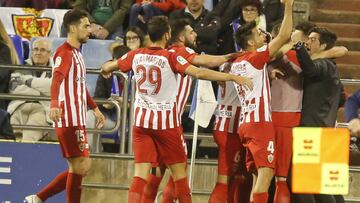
x: 64, y: 50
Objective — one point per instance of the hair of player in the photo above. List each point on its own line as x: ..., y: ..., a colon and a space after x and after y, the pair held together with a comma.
x: 326, y: 36
x: 157, y: 27
x: 244, y: 33
x: 305, y: 27
x: 73, y: 17
x: 119, y: 51
x: 177, y: 27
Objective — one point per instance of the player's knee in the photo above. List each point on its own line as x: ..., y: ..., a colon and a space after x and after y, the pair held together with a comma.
x: 80, y: 166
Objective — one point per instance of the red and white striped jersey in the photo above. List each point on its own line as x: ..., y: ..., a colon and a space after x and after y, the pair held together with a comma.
x: 72, y: 96
x: 156, y: 73
x: 255, y: 104
x: 184, y: 82
x: 227, y: 114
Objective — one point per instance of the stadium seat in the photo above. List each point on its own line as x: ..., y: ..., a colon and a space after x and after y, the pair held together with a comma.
x: 16, y: 39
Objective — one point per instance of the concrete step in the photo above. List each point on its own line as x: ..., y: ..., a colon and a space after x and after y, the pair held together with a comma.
x: 323, y: 15
x: 352, y: 58
x: 353, y: 44
x: 349, y: 71
x: 345, y: 5
x: 342, y: 29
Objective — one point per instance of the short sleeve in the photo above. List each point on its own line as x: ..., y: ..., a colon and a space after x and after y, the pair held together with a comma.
x: 259, y: 57
x: 178, y: 63
x: 188, y: 53
x: 63, y: 62
x: 125, y: 62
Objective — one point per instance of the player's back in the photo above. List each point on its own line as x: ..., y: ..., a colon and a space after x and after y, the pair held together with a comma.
x: 155, y: 71
x: 255, y: 103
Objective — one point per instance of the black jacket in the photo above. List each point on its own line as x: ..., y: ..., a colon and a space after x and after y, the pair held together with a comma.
x: 5, y: 58
x: 206, y: 27
x: 322, y: 90
x: 274, y: 13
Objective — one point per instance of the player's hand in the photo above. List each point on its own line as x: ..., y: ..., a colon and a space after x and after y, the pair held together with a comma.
x: 244, y: 81
x: 100, y: 119
x: 55, y: 114
x: 354, y: 127
x: 104, y: 70
x: 276, y: 74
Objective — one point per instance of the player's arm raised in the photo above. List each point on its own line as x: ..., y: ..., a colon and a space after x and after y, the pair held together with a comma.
x: 206, y: 74
x: 285, y: 29
x: 212, y: 61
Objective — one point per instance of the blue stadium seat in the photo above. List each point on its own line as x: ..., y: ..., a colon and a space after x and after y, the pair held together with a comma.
x: 16, y: 39
x: 95, y: 53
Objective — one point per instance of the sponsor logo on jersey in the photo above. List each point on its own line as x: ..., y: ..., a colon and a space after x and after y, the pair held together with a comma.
x: 181, y: 60
x: 57, y: 62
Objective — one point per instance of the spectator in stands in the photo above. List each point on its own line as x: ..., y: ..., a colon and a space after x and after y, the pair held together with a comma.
x: 106, y: 16
x: 143, y: 10
x: 352, y: 106
x: 32, y: 112
x: 322, y: 92
x: 206, y: 28
x: 134, y: 38
x: 37, y: 4
x: 110, y: 88
x: 251, y: 10
x: 8, y: 55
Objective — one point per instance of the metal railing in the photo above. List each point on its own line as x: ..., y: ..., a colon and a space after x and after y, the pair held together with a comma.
x: 122, y: 118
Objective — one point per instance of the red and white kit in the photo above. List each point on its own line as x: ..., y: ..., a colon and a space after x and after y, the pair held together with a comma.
x: 73, y: 98
x: 157, y: 122
x: 231, y: 152
x: 256, y: 128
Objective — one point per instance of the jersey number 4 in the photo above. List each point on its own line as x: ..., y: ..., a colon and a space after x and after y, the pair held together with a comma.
x: 152, y: 75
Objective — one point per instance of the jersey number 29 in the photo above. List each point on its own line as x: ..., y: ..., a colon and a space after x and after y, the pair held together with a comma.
x: 152, y: 75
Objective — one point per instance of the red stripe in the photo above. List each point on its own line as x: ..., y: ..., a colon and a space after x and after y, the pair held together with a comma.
x: 142, y: 117
x: 236, y: 120
x: 175, y: 116
x: 75, y: 85
x: 136, y: 114
x: 159, y: 120
x: 82, y: 75
x: 186, y: 94
x: 167, y: 119
x: 151, y: 118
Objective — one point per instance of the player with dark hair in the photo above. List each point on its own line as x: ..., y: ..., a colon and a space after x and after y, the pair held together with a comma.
x: 256, y: 128
x: 157, y: 130
x: 69, y: 101
x: 182, y: 42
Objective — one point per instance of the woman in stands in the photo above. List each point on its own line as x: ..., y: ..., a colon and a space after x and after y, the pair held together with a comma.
x: 8, y: 55
x: 134, y: 38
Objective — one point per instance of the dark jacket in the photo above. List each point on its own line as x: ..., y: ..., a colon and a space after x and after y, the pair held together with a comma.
x: 274, y: 13
x: 5, y: 58
x: 120, y: 9
x: 352, y: 106
x: 207, y: 29
x: 322, y: 90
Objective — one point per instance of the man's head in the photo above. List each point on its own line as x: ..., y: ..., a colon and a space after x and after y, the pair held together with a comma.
x: 301, y: 31
x: 77, y: 25
x: 41, y: 52
x: 159, y: 29
x: 195, y: 5
x: 249, y: 37
x: 320, y: 39
x: 181, y: 31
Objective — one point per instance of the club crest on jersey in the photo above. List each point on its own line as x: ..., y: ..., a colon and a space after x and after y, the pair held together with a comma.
x: 270, y: 158
x: 181, y: 60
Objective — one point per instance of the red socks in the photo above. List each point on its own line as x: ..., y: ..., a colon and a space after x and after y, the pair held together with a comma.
x: 182, y: 190
x: 219, y: 194
x: 57, y: 185
x: 260, y: 197
x: 151, y: 189
x: 169, y: 191
x: 136, y: 190
x: 282, y: 194
x: 73, y: 188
